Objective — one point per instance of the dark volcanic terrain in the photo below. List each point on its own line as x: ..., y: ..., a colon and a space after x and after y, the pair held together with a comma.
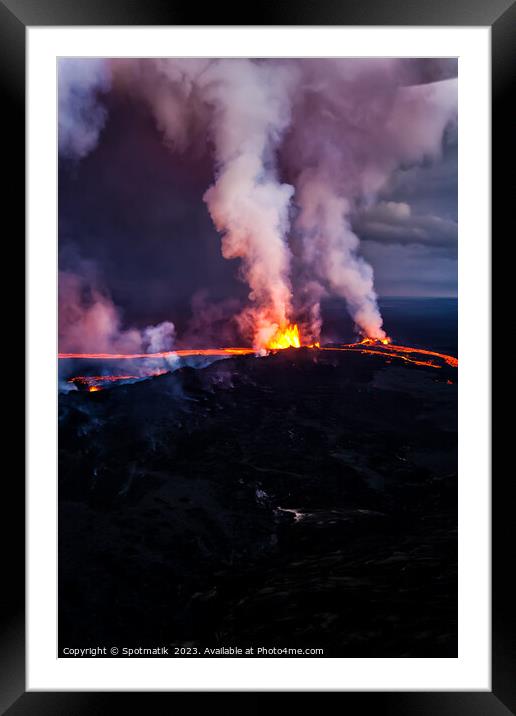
x: 305, y: 499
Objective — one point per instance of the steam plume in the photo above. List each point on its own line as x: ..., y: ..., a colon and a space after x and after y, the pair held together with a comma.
x: 81, y: 115
x: 90, y: 322
x: 248, y: 204
x: 354, y: 123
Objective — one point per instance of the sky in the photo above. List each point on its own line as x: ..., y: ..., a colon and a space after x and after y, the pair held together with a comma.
x: 135, y: 224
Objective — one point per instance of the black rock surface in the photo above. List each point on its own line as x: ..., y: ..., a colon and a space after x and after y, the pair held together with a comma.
x: 297, y: 500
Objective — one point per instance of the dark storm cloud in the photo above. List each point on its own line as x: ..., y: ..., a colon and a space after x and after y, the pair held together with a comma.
x: 410, y: 235
x: 429, y: 187
x: 413, y: 269
x: 423, y: 70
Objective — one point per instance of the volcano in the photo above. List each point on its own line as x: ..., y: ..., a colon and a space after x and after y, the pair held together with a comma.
x: 306, y: 498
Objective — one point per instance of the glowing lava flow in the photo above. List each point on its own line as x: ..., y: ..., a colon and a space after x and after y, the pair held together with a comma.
x: 450, y: 360
x: 374, y: 341
x: 284, y: 340
x: 288, y: 337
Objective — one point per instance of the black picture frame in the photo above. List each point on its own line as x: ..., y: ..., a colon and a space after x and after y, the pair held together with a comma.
x: 15, y: 17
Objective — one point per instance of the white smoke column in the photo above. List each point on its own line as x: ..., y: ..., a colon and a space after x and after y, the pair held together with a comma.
x: 330, y: 246
x: 81, y: 115
x: 354, y: 124
x: 247, y: 202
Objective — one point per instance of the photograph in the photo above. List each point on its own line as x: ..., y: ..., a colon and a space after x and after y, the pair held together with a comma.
x: 257, y: 357
x: 259, y: 446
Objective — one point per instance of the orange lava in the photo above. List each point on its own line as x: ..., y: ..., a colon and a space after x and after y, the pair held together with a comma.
x: 166, y: 354
x: 99, y: 378
x: 406, y: 353
x: 95, y: 382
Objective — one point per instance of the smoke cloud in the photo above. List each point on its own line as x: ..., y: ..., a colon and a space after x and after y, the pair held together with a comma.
x: 81, y: 113
x: 298, y: 148
x: 213, y: 322
x: 89, y: 322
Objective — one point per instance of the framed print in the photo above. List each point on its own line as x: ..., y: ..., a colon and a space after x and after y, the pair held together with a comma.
x: 258, y: 356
